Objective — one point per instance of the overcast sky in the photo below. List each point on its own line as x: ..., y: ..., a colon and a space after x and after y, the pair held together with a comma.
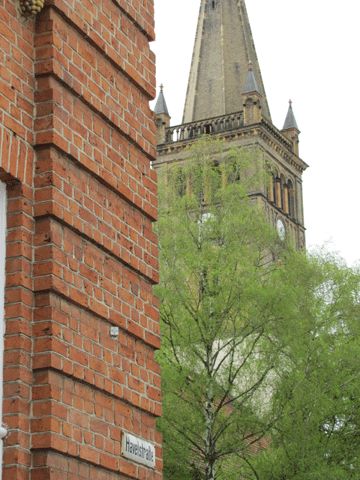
x: 308, y: 52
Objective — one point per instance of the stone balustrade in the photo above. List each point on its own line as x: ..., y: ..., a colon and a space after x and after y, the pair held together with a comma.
x: 189, y: 131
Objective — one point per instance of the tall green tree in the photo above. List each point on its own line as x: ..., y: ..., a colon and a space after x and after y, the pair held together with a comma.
x: 216, y: 311
x: 317, y: 397
x: 252, y: 333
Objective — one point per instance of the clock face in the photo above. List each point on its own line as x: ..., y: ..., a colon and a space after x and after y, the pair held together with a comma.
x: 280, y: 227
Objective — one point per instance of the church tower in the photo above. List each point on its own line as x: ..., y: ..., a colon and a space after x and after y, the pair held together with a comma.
x: 226, y: 98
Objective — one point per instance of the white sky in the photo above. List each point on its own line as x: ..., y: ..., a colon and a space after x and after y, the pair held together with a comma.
x: 309, y: 51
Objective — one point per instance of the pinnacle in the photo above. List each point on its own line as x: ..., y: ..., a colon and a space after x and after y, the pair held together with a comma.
x: 290, y: 121
x: 251, y: 84
x: 161, y: 107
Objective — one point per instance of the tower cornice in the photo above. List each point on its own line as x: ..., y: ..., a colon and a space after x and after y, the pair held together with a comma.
x: 264, y: 131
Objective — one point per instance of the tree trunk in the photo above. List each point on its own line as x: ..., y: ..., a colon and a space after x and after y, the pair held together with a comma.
x: 209, y: 441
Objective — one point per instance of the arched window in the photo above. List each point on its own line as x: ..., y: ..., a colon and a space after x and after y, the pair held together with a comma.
x: 286, y: 198
x: 271, y: 187
x: 216, y: 176
x: 195, y: 183
x: 278, y: 192
x: 291, y: 198
x: 180, y: 182
x: 233, y: 172
x: 283, y: 193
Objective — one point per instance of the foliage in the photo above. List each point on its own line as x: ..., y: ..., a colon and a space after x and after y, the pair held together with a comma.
x: 317, y: 400
x: 260, y: 343
x: 215, y: 291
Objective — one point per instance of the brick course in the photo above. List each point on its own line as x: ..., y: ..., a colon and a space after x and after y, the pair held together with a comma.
x: 76, y: 141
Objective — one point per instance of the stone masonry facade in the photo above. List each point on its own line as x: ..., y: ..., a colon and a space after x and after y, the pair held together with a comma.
x: 226, y: 99
x: 77, y: 138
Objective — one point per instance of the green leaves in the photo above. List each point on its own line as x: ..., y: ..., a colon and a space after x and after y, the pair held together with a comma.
x: 215, y: 291
x: 318, y: 391
x: 260, y: 343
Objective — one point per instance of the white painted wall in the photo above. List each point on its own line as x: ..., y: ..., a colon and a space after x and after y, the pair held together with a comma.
x: 3, y: 203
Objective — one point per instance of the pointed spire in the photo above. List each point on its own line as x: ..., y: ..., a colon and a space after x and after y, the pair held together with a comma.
x: 290, y: 121
x: 161, y: 107
x: 291, y: 130
x: 251, y: 84
x: 223, y: 48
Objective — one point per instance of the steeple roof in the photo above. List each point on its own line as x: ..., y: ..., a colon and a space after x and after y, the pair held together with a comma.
x: 290, y: 121
x: 161, y: 106
x: 223, y: 48
x: 251, y: 84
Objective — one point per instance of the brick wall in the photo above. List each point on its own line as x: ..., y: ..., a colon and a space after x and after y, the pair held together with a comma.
x: 76, y: 140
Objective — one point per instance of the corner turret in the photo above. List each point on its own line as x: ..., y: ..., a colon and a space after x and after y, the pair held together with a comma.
x: 291, y: 129
x: 162, y: 116
x: 251, y: 97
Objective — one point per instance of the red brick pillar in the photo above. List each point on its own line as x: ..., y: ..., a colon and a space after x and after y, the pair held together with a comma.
x: 17, y: 83
x: 77, y: 141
